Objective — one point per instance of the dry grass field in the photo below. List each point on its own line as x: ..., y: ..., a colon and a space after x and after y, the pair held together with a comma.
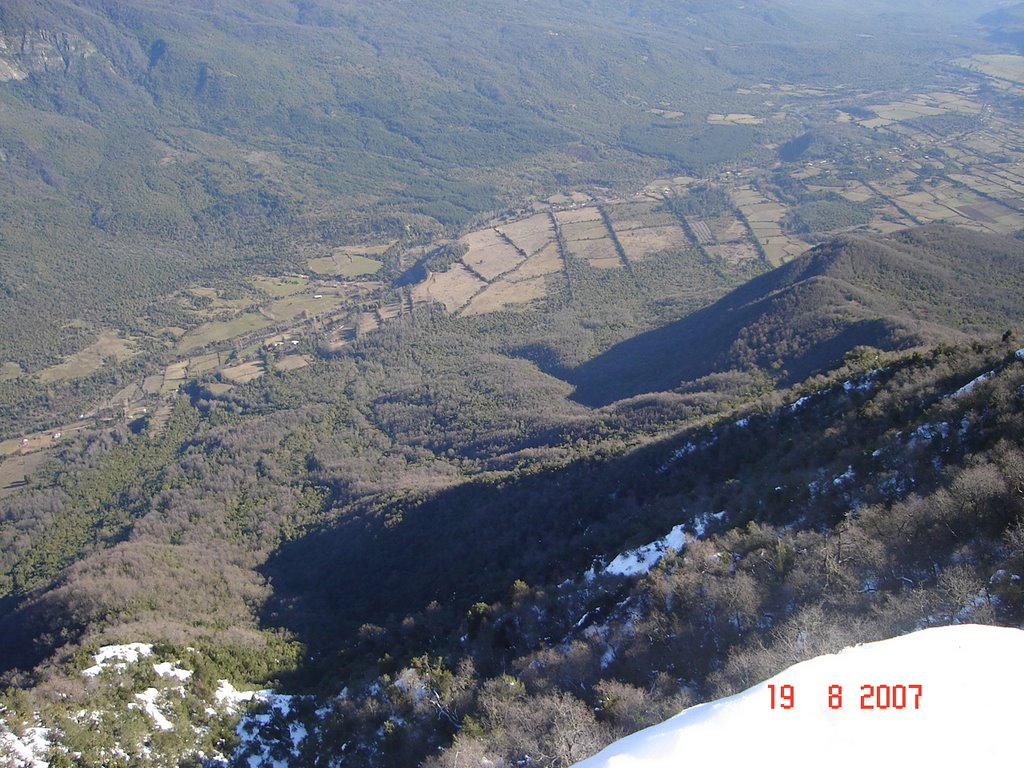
x: 598, y: 253
x: 630, y: 216
x: 453, y: 288
x: 531, y: 234
x: 584, y: 230
x: 545, y: 262
x: 489, y: 255
x: 292, y: 362
x: 219, y: 387
x: 735, y: 119
x: 14, y: 469
x: 578, y: 215
x: 244, y: 372
x: 1008, y: 67
x: 734, y: 252
x: 306, y: 304
x: 279, y: 287
x: 10, y: 371
x: 390, y: 311
x: 367, y: 321
x: 344, y: 263
x: 506, y: 293
x: 642, y: 243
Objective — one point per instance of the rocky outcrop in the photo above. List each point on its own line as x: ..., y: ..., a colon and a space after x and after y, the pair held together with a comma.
x: 39, y: 50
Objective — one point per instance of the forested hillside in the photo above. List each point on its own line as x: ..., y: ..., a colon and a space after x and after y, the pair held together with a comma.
x: 446, y: 384
x: 146, y: 147
x: 324, y: 527
x: 915, y: 287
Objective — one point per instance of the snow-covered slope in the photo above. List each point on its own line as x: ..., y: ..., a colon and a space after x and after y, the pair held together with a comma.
x: 942, y: 696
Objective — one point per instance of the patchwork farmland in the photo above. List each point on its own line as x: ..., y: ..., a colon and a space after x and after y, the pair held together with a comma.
x: 871, y: 162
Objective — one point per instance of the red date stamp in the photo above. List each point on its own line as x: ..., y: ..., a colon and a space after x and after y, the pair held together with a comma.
x: 880, y: 696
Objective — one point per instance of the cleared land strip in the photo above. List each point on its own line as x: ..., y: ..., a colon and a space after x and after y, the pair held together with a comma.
x: 615, y: 241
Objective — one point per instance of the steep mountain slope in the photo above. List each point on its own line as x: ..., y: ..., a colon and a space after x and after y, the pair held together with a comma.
x: 896, y: 292
x: 875, y: 504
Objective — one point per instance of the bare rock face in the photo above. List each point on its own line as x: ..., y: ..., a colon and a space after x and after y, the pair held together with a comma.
x: 39, y: 50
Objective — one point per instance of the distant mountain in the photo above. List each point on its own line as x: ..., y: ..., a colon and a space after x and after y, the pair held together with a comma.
x: 895, y: 292
x: 1006, y: 25
x: 900, y: 699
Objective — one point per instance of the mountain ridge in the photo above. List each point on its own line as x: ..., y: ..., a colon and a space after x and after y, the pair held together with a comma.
x: 891, y: 292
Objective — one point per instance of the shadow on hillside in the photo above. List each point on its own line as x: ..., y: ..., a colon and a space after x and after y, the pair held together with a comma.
x: 466, y: 544
x: 792, y: 322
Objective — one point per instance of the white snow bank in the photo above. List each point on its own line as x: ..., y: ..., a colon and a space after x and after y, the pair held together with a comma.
x: 123, y: 655
x: 967, y: 712
x: 148, y: 699
x: 793, y: 407
x: 229, y: 697
x: 172, y: 669
x: 969, y: 386
x: 636, y: 562
x: 29, y: 750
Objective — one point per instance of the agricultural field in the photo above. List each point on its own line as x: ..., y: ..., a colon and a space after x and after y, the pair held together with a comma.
x: 14, y: 469
x: 953, y: 154
x: 505, y: 294
x: 546, y: 261
x: 280, y: 287
x: 490, y: 255
x: 348, y: 262
x: 530, y: 235
x: 640, y: 243
x: 735, y: 119
x: 597, y: 252
x: 90, y: 359
x: 639, y: 215
x: 1007, y: 67
x: 224, y: 330
x: 243, y: 372
x: 586, y: 237
x: 305, y: 304
x: 293, y: 362
x: 453, y: 288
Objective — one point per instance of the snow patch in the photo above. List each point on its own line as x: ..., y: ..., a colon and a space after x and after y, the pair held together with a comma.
x: 260, y: 735
x: 929, y: 432
x: 701, y: 523
x: 676, y: 455
x: 636, y: 562
x: 172, y: 669
x: 969, y: 684
x: 969, y: 386
x: 122, y: 655
x: 29, y: 750
x: 230, y: 697
x: 794, y: 407
x: 148, y: 699
x: 844, y: 478
x: 863, y: 384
